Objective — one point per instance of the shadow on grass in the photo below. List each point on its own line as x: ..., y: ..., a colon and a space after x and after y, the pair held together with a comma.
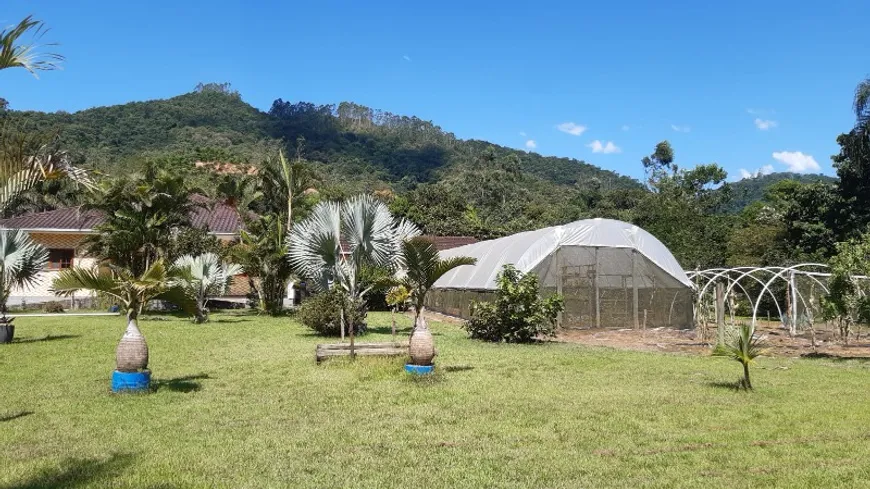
x: 234, y: 319
x: 13, y: 416
x: 185, y: 384
x: 76, y: 472
x: 458, y: 368
x: 731, y: 386
x: 836, y: 358
x: 400, y: 330
x: 51, y: 337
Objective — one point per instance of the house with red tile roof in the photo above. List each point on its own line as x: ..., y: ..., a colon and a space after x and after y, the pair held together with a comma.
x: 63, y: 230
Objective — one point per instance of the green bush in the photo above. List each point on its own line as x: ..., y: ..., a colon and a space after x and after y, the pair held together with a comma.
x: 53, y: 307
x: 322, y: 313
x: 518, y: 314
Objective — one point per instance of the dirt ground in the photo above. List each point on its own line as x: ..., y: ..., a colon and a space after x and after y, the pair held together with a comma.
x: 687, y: 341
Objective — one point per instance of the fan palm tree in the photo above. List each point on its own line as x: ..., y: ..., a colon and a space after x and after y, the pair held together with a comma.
x: 745, y: 346
x: 337, y: 240
x: 21, y: 260
x: 204, y: 276
x: 133, y: 292
x: 15, y: 54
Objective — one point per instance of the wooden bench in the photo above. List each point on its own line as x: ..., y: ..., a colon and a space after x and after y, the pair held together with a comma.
x: 326, y: 350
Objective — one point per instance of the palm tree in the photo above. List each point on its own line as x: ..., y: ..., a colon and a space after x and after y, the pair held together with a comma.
x: 262, y: 253
x: 745, y: 346
x: 14, y: 54
x: 204, y: 276
x: 133, y: 292
x: 422, y: 267
x: 337, y: 240
x: 397, y: 298
x: 21, y: 260
x: 26, y: 159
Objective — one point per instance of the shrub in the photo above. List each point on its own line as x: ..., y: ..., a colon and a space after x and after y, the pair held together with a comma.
x: 518, y: 314
x: 322, y: 313
x: 53, y: 307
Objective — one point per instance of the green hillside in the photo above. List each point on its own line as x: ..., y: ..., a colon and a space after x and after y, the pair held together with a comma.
x: 450, y: 185
x: 749, y: 190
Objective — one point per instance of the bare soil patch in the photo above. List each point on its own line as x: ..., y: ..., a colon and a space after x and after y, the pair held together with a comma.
x: 688, y: 341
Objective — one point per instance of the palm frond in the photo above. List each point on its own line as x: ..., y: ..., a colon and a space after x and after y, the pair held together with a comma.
x: 315, y: 243
x: 21, y: 259
x: 77, y: 279
x: 15, y: 54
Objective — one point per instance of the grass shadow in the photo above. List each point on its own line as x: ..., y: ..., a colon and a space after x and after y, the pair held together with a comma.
x: 458, y: 368
x: 234, y: 319
x: 731, y: 386
x: 836, y: 358
x: 13, y: 416
x: 185, y: 384
x: 51, y: 337
x: 75, y: 472
x: 388, y: 330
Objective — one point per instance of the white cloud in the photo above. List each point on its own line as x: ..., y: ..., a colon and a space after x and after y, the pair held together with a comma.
x: 764, y: 170
x: 625, y: 127
x: 406, y: 57
x: 765, y: 124
x: 681, y: 128
x: 796, y: 161
x: 571, y: 128
x: 523, y: 133
x: 605, y: 148
x: 531, y: 144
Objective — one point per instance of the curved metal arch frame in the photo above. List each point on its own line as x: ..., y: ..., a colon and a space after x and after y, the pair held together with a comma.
x: 714, y: 274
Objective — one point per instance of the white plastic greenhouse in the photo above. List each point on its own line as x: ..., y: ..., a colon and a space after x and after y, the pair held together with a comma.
x: 611, y: 273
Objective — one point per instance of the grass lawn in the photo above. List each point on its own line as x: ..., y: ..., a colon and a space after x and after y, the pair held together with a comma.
x: 241, y: 403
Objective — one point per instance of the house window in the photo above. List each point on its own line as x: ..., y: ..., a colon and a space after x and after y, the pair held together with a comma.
x: 59, y: 259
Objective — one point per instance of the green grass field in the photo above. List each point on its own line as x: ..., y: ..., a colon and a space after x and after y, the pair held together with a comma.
x: 240, y: 402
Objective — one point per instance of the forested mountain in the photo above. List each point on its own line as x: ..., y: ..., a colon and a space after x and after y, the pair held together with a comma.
x: 481, y: 188
x: 749, y: 190
x: 466, y: 187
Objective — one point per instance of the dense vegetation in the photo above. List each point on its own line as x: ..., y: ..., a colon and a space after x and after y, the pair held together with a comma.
x: 451, y: 186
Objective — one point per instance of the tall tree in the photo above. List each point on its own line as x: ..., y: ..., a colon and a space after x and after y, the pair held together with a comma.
x: 143, y: 213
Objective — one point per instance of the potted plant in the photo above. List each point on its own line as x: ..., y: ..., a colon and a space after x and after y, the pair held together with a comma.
x: 21, y: 261
x: 422, y: 268
x: 133, y: 293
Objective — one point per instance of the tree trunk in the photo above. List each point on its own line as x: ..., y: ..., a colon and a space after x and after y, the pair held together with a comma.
x: 746, y: 382
x: 351, y: 327
x: 393, y: 318
x: 132, y: 352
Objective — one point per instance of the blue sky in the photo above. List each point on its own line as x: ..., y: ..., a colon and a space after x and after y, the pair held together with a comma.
x: 749, y: 85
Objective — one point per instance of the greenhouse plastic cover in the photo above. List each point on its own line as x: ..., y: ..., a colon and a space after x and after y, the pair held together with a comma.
x: 529, y: 249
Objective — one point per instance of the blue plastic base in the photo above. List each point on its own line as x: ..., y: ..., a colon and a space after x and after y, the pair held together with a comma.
x: 419, y: 369
x: 131, y: 381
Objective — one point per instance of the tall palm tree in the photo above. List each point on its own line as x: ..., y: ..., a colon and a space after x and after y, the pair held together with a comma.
x: 17, y: 54
x: 133, y: 292
x: 21, y: 260
x: 204, y: 276
x: 745, y: 346
x: 337, y: 240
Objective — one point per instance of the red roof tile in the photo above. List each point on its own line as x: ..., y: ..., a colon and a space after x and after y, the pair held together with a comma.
x: 221, y: 219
